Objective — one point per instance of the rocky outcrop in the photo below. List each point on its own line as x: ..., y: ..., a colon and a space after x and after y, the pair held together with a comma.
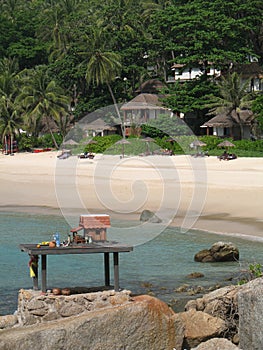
x: 220, y: 251
x: 35, y: 307
x: 143, y: 323
x: 149, y: 216
x: 200, y: 326
x: 217, y: 344
x: 8, y: 321
x: 121, y: 321
x: 221, y: 303
x: 250, y: 304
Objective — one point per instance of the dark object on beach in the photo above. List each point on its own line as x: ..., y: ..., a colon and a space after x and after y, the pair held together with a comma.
x: 219, y: 252
x: 227, y: 156
x: 86, y: 155
x: 64, y: 155
x: 148, y: 215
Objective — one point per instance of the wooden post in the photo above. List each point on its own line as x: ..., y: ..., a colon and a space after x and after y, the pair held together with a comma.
x: 44, y: 272
x: 116, y: 271
x: 107, y: 268
x: 35, y: 269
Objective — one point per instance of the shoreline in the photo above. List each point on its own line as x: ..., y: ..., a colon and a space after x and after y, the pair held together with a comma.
x: 223, y: 198
x: 203, y: 225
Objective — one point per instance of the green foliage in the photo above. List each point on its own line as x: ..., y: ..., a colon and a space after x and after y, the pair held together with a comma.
x: 27, y: 143
x: 254, y: 271
x: 103, y: 143
x: 46, y: 141
x: 257, y: 108
x: 195, y: 33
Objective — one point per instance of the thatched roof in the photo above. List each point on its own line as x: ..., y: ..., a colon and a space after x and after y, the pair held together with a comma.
x: 152, y: 86
x: 143, y: 101
x: 230, y: 120
x: 98, y: 124
x: 248, y: 70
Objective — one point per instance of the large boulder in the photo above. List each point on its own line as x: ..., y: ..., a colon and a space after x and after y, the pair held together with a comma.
x: 148, y: 215
x: 200, y: 326
x: 220, y: 303
x: 145, y: 323
x: 250, y: 304
x: 220, y: 251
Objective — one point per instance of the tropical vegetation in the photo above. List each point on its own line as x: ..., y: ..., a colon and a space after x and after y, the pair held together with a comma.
x: 63, y: 59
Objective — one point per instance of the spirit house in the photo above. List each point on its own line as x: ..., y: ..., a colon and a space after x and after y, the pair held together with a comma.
x: 93, y: 226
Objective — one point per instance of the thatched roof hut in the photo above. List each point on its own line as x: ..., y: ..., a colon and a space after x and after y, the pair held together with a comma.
x: 228, y: 124
x: 143, y: 101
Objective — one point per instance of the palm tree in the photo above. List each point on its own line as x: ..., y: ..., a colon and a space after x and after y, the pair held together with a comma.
x: 43, y: 99
x: 10, y: 123
x: 10, y: 118
x: 233, y: 96
x: 103, y: 65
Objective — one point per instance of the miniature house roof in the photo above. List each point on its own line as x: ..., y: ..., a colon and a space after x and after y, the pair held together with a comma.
x: 92, y: 222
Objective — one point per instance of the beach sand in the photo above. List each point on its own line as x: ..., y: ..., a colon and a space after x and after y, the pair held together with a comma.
x: 199, y: 193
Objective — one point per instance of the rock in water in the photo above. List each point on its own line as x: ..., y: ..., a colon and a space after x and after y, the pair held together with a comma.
x: 148, y: 215
x: 220, y: 251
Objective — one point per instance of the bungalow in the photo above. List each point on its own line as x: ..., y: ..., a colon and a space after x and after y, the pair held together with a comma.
x: 237, y: 126
x: 182, y: 73
x: 98, y: 127
x: 141, y: 109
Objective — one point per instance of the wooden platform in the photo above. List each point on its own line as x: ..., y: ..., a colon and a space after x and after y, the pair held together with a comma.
x: 96, y: 247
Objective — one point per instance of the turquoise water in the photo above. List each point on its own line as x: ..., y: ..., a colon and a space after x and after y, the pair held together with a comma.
x: 158, y: 266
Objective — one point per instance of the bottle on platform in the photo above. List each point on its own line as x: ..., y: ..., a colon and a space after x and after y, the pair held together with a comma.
x: 57, y: 239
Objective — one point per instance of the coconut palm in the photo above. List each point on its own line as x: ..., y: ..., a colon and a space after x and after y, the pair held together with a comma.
x: 233, y: 96
x: 10, y: 117
x: 43, y: 99
x: 102, y: 64
x: 10, y: 122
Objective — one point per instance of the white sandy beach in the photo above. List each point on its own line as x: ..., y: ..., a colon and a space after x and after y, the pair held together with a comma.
x: 208, y: 194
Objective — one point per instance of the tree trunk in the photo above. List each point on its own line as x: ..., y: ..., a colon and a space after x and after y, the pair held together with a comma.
x: 11, y: 144
x: 51, y: 133
x: 117, y: 110
x: 240, y: 125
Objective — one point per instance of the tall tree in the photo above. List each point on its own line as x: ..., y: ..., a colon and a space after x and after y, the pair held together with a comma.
x: 233, y: 96
x: 43, y: 100
x: 102, y: 64
x: 10, y: 117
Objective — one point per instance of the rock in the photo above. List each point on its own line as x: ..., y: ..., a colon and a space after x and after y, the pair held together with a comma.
x: 217, y: 344
x: 250, y: 305
x: 195, y: 275
x: 35, y: 307
x: 144, y: 323
x: 8, y: 321
x: 200, y: 326
x: 148, y: 215
x: 220, y: 303
x: 220, y: 251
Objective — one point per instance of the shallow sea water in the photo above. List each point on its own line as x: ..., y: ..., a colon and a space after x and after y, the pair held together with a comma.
x: 157, y: 267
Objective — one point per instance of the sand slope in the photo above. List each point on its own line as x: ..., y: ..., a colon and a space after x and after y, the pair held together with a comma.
x: 207, y: 194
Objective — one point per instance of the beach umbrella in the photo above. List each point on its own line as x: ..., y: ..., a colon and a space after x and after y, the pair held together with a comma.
x: 70, y: 142
x: 198, y: 143
x: 147, y: 140
x: 122, y: 142
x: 90, y: 142
x: 226, y: 144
